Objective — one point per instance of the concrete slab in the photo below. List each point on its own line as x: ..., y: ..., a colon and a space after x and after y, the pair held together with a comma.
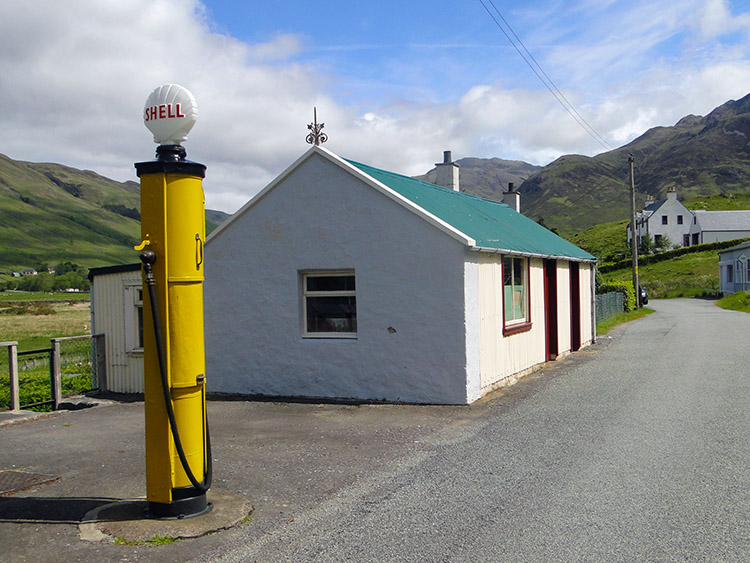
x: 124, y: 521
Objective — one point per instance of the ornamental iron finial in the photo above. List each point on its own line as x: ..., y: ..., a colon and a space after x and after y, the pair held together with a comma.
x: 316, y: 136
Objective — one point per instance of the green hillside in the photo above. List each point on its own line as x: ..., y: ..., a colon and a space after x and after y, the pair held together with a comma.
x: 50, y: 213
x: 700, y: 156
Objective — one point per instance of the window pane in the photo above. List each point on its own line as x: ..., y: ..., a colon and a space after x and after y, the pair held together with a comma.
x: 330, y: 283
x: 332, y: 314
x: 514, y: 288
x: 508, y: 297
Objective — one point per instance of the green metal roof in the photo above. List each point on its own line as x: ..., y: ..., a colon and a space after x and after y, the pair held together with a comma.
x: 493, y: 225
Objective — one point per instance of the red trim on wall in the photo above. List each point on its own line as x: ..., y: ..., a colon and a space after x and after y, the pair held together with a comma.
x: 516, y: 328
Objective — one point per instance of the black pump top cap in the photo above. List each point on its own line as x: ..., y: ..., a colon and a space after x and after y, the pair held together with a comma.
x: 170, y: 159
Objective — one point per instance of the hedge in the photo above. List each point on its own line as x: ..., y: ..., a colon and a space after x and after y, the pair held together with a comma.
x: 621, y: 287
x: 654, y: 258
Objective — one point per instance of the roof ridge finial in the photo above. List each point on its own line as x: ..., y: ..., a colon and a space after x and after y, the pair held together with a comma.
x: 316, y: 136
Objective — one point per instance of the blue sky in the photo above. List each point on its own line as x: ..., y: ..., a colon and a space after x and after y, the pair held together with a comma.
x: 396, y: 83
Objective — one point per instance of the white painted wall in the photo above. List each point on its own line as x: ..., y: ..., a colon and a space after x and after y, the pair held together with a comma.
x: 112, y: 314
x: 739, y: 262
x: 473, y: 326
x: 672, y: 209
x: 707, y: 237
x: 409, y: 277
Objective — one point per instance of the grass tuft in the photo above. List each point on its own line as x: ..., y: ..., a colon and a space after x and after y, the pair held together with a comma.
x: 739, y: 301
x: 155, y: 540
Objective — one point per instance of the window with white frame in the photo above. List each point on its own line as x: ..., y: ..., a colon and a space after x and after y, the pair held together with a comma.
x: 742, y: 267
x: 329, y: 302
x: 515, y: 290
x: 134, y: 318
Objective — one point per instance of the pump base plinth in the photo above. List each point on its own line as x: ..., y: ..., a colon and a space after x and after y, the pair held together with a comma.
x: 186, y: 503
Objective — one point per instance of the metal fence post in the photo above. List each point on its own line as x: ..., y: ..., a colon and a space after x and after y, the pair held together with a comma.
x: 56, y: 374
x: 99, y: 363
x: 15, y: 401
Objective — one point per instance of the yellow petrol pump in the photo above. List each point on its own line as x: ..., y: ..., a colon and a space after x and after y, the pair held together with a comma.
x: 178, y: 461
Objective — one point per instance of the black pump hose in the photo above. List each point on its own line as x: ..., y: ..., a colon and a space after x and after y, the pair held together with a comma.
x: 148, y: 257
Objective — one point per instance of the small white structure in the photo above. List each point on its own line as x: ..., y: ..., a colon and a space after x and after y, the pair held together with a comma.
x: 117, y: 312
x: 340, y: 280
x: 664, y: 219
x: 719, y: 226
x: 734, y: 269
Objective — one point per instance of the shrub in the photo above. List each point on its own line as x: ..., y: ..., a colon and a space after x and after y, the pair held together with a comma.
x: 622, y: 287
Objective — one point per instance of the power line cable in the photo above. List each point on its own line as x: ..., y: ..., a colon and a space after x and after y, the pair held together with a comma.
x: 543, y: 77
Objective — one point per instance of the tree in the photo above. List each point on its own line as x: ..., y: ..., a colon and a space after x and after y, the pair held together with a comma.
x: 646, y: 245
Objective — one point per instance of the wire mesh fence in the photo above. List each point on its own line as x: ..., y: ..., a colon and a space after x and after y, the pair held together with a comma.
x: 608, y: 305
x: 42, y: 378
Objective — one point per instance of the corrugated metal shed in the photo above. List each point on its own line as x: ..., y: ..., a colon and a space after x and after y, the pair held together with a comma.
x: 493, y: 225
x: 114, y: 306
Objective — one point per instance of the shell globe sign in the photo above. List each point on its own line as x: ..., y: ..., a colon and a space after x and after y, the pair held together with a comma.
x: 170, y: 114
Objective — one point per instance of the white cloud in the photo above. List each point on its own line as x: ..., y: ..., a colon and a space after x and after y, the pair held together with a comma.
x: 74, y: 77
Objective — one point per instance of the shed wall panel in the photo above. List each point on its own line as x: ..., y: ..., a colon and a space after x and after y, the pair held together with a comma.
x: 109, y: 311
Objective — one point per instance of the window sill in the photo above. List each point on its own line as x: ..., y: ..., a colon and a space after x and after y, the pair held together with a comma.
x: 509, y: 330
x: 331, y: 336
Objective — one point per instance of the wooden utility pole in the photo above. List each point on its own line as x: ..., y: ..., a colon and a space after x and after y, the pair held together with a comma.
x: 634, y: 235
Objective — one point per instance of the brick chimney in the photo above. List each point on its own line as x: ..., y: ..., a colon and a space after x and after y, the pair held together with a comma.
x: 672, y: 193
x: 512, y: 198
x: 447, y: 172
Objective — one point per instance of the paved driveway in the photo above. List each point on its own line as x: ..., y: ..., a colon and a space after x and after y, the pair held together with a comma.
x: 633, y: 450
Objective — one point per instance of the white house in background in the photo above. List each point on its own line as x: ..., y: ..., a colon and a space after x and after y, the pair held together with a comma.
x: 340, y: 280
x: 718, y: 226
x: 734, y: 269
x: 117, y: 312
x: 664, y: 219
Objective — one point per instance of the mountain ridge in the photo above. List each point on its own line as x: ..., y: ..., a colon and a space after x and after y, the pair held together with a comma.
x: 52, y: 212
x: 699, y: 155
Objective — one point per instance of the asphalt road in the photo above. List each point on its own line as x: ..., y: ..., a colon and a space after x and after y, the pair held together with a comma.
x: 641, y: 453
x: 635, y: 449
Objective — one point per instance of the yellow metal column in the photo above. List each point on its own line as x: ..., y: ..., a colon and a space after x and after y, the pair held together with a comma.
x: 173, y: 228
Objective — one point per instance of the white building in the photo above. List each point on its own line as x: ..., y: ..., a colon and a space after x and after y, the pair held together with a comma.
x: 664, y: 219
x: 719, y: 226
x: 339, y: 280
x: 734, y: 269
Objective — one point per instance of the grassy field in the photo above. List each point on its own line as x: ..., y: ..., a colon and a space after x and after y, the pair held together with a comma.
x: 32, y: 323
x: 689, y: 275
x: 14, y: 296
x: 605, y: 326
x: 739, y: 301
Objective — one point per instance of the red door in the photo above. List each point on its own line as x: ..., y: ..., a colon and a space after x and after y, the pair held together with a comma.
x: 550, y: 307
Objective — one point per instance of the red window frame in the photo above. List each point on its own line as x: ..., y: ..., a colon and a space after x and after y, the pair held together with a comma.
x: 517, y: 326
